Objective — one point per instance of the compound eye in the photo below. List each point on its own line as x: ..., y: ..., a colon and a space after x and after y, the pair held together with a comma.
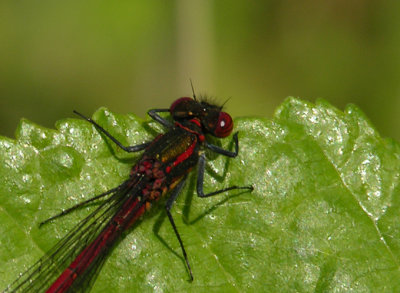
x: 180, y: 103
x: 181, y: 107
x: 224, y: 125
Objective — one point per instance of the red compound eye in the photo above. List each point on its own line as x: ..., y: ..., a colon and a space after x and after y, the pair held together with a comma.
x: 224, y: 125
x: 181, y: 105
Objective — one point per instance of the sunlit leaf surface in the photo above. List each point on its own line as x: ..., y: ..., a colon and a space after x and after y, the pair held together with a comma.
x: 324, y: 215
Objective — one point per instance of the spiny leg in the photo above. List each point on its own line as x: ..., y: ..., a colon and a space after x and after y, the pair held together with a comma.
x: 225, y: 152
x: 129, y: 149
x: 168, y: 206
x: 164, y: 122
x: 78, y: 205
x: 200, y: 180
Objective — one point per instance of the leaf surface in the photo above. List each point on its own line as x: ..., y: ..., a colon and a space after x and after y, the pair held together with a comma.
x: 323, y: 216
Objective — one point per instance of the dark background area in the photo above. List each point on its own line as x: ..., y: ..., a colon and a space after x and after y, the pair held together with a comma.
x: 131, y: 56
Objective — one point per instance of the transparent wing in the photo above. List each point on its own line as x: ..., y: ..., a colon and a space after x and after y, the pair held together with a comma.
x: 46, y: 270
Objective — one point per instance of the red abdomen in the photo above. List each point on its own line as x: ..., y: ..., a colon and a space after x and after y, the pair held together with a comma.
x: 130, y: 212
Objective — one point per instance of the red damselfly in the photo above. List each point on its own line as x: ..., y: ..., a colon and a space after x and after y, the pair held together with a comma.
x: 162, y: 168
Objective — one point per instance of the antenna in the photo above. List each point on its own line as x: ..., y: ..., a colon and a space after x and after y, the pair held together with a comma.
x: 225, y: 102
x: 191, y: 84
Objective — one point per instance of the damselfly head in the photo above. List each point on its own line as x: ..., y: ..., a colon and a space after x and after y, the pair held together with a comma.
x: 213, y: 120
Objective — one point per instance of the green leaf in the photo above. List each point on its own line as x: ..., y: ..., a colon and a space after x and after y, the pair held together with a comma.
x: 323, y: 216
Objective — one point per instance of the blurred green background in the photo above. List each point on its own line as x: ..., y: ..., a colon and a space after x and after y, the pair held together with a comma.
x: 130, y: 56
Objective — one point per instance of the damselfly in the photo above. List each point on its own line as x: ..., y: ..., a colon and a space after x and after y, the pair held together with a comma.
x: 162, y: 168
